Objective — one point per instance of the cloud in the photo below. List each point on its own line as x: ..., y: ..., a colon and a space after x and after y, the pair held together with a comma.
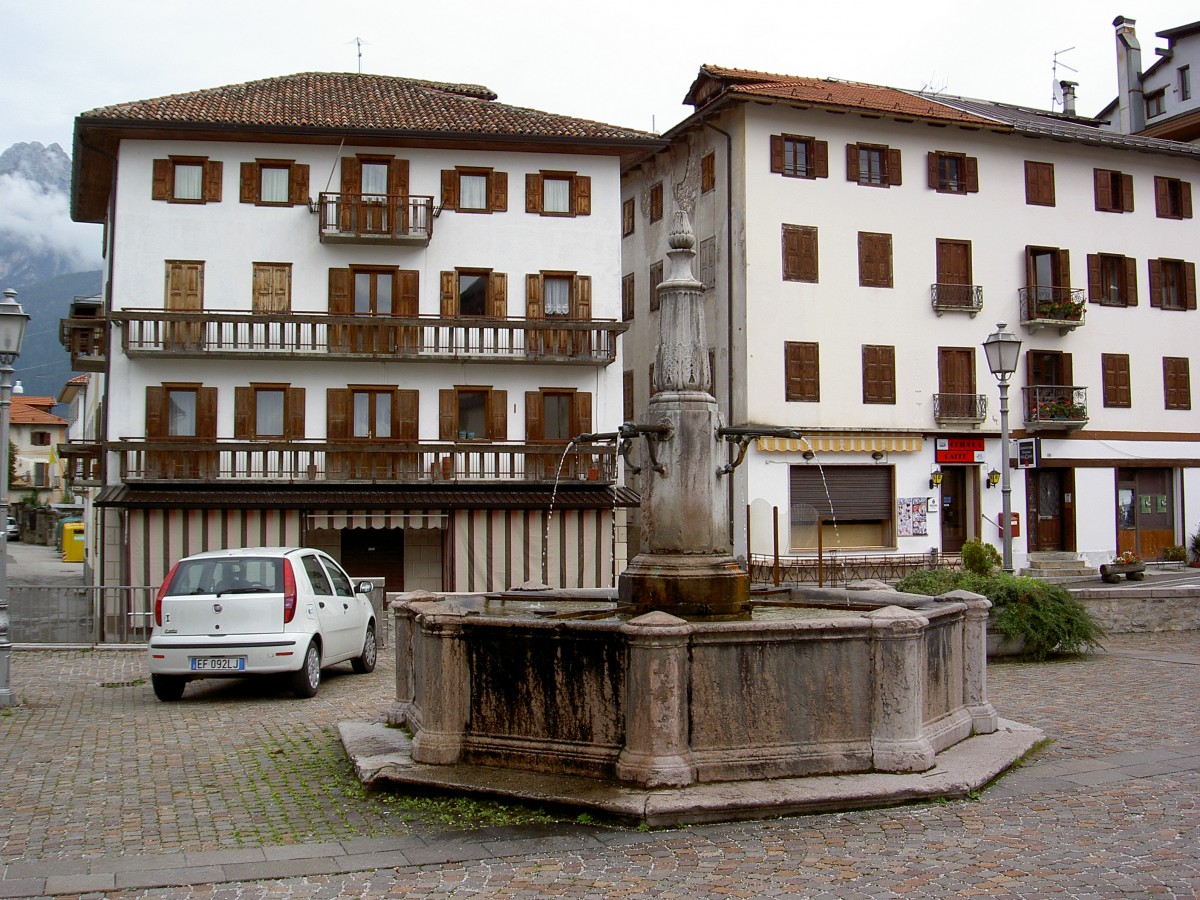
x: 40, y: 222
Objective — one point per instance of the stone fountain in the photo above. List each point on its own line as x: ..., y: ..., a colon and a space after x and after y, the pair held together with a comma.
x: 680, y: 699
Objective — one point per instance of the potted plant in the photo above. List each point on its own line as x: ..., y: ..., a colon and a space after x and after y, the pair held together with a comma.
x: 1128, y: 564
x: 1195, y: 548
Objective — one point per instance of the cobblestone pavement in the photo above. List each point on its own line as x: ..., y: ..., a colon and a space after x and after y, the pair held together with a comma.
x: 237, y: 792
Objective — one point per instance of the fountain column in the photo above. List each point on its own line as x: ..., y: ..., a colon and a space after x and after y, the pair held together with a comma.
x: 685, y: 566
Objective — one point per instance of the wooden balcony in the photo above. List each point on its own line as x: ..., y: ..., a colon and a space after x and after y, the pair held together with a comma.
x: 1052, y: 307
x: 959, y: 409
x: 231, y: 334
x: 87, y: 342
x: 81, y: 463
x: 965, y: 298
x: 1055, y: 407
x: 350, y: 462
x: 375, y: 219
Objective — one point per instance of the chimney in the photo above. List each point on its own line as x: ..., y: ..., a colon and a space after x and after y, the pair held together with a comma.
x: 1068, y: 95
x: 1131, y: 104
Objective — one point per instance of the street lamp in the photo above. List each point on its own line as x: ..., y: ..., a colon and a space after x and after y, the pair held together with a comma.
x: 12, y: 330
x: 1003, y: 349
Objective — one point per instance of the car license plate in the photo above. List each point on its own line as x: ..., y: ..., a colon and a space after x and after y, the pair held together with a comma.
x: 218, y: 663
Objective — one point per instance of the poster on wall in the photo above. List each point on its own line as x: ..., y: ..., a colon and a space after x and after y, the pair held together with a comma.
x: 911, y: 515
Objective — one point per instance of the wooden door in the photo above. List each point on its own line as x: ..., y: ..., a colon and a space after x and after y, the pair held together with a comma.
x: 1045, y: 509
x: 956, y: 382
x: 374, y: 552
x: 954, y: 273
x: 185, y: 294
x: 954, y: 508
x: 272, y: 287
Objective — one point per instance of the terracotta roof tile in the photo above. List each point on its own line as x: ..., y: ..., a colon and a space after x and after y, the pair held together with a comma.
x: 33, y: 414
x: 347, y: 101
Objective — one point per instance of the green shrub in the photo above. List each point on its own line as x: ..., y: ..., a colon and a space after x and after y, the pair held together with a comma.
x: 1174, y: 554
x: 979, y: 557
x: 1045, y: 615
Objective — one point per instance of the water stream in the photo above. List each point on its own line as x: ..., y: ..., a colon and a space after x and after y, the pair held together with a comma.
x: 550, y: 513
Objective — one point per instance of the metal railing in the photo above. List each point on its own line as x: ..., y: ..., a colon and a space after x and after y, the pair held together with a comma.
x: 960, y: 407
x: 1046, y: 303
x: 1061, y: 405
x: 397, y: 218
x: 956, y: 298
x: 833, y: 569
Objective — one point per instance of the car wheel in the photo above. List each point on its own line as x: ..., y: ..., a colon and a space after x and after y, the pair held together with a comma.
x: 307, y: 678
x: 365, y: 662
x: 168, y: 688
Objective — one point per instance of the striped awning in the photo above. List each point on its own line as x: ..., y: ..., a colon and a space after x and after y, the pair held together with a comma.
x: 377, y: 518
x: 831, y: 442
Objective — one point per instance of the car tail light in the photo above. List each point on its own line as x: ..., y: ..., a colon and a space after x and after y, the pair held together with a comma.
x: 289, y: 592
x: 162, y: 592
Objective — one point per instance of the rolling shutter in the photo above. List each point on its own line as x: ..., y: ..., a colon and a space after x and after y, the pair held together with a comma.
x: 849, y: 493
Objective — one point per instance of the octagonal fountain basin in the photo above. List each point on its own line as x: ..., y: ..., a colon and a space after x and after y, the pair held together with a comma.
x: 567, y: 684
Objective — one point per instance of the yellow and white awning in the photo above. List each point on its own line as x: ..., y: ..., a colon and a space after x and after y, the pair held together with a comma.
x: 842, y: 442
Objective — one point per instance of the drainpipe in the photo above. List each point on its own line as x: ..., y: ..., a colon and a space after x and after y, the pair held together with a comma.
x: 1130, y: 100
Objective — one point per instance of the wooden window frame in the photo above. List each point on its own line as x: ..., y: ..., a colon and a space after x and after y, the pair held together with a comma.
x: 816, y: 156
x: 1184, y: 84
x: 627, y: 387
x: 535, y: 414
x: 628, y: 219
x: 879, y: 374
x: 245, y: 412
x: 1113, y: 190
x: 1172, y: 198
x: 1114, y: 372
x: 1156, y: 103
x: 250, y: 189
x: 708, y: 172
x: 890, y: 170
x: 866, y: 278
x: 628, y: 295
x: 968, y: 175
x: 706, y: 263
x: 1177, y: 387
x: 495, y: 412
x: 802, y: 372
x: 495, y: 302
x: 579, y: 190
x: 1039, y: 183
x: 496, y: 190
x: 1126, y: 279
x: 1185, y: 276
x: 656, y: 278
x: 158, y: 411
x: 163, y: 179
x: 800, y: 250
x: 656, y: 201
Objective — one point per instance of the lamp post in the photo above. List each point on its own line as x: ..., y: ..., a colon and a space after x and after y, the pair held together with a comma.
x: 1003, y: 349
x: 12, y: 330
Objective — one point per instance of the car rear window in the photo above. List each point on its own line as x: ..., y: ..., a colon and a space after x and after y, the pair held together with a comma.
x: 245, y: 575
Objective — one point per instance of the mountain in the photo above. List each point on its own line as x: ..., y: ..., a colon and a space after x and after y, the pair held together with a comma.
x: 44, y: 256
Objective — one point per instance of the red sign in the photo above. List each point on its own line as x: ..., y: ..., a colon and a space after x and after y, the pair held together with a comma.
x: 964, y: 451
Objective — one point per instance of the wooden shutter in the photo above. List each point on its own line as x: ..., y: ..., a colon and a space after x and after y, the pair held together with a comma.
x: 656, y: 278
x: 956, y: 370
x: 534, y: 305
x: 802, y: 371
x: 1162, y: 197
x: 627, y: 297
x: 1064, y: 268
x: 271, y: 287
x: 581, y: 189
x: 534, y: 427
x: 627, y: 395
x: 498, y: 415
x: 498, y: 294
x: 156, y: 401
x: 1189, y: 284
x: 820, y: 160
x: 1185, y: 198
x: 791, y: 253
x: 341, y: 292
x: 248, y: 189
x: 337, y: 414
x: 582, y: 408
x: 583, y: 298
x: 160, y: 185
x: 293, y: 413
x: 498, y: 192
x: 449, y: 189
x: 406, y: 405
x: 874, y: 259
x: 1115, y: 370
x: 243, y: 413
x: 351, y: 176
x: 972, y: 174
x: 447, y: 414
x: 398, y: 178
x: 1129, y: 267
x: 1177, y: 382
x: 1126, y: 193
x: 852, y: 162
x: 931, y: 166
x: 405, y: 295
x: 449, y: 294
x: 777, y: 153
x: 1101, y: 178
x: 206, y: 412
x: 1156, y: 287
x: 533, y: 192
x: 879, y: 374
x: 1095, y: 294
x: 1066, y: 369
x: 893, y: 167
x: 212, y: 181
x: 298, y: 184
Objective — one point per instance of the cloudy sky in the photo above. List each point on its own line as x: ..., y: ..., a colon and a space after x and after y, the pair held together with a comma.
x: 623, y: 62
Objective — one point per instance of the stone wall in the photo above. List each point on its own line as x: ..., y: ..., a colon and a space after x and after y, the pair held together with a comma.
x: 1121, y: 610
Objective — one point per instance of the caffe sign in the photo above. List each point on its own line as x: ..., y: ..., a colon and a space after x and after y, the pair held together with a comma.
x: 961, y: 451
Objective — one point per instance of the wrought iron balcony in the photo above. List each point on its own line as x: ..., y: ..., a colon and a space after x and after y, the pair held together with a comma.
x: 233, y: 334
x: 966, y: 298
x: 342, y: 462
x: 375, y: 219
x: 81, y: 463
x: 1052, y: 307
x: 1055, y: 407
x: 959, y: 408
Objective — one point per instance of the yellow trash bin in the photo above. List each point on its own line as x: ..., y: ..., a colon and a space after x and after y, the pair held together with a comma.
x: 73, y: 542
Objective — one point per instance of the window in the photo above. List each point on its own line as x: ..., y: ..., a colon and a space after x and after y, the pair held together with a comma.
x: 557, y: 414
x: 272, y: 287
x: 873, y: 164
x: 802, y: 372
x: 656, y: 278
x: 1112, y: 280
x: 874, y: 259
x: 474, y: 292
x: 1185, y: 82
x: 794, y: 156
x: 371, y: 414
x: 1039, y: 183
x: 40, y: 439
x: 274, y: 182
x: 878, y: 374
x: 41, y: 475
x: 1156, y: 103
x: 471, y: 412
x: 656, y: 202
x: 1114, y: 190
x: 1172, y: 284
x: 374, y: 290
x: 953, y: 173
x: 1115, y: 370
x: 268, y: 412
x: 627, y: 218
x: 1172, y: 198
x: 181, y: 411
x: 1047, y: 281
x: 474, y: 189
x: 708, y: 262
x: 800, y: 253
x: 365, y: 413
x: 860, y: 499
x: 558, y: 194
x: 1177, y: 385
x: 558, y: 295
x: 186, y: 179
x: 627, y: 395
x: 708, y: 172
x: 627, y: 298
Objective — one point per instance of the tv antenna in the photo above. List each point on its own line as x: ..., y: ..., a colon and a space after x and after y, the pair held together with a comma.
x: 1056, y: 91
x: 359, y: 43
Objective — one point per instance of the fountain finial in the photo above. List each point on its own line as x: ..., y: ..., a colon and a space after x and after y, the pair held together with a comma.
x: 681, y: 236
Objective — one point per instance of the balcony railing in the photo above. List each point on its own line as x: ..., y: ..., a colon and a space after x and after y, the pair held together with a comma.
x: 966, y: 298
x: 959, y: 408
x: 402, y: 462
x: 1054, y: 307
x: 81, y: 463
x: 86, y: 339
x: 431, y: 338
x: 375, y: 219
x: 1055, y: 407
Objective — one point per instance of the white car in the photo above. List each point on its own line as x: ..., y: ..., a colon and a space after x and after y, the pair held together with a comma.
x: 259, y: 611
